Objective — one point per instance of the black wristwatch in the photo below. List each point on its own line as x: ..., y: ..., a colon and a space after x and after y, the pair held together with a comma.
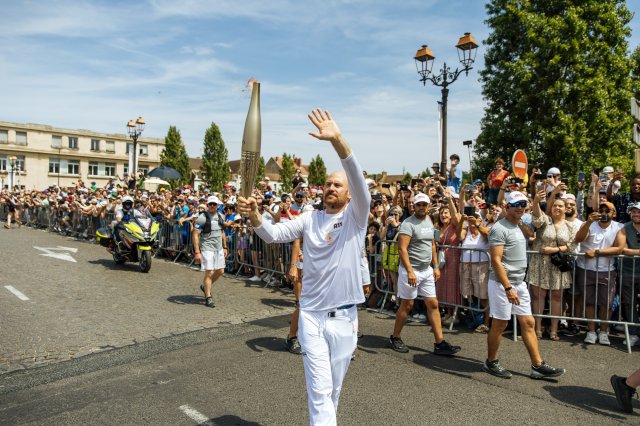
x: 506, y: 289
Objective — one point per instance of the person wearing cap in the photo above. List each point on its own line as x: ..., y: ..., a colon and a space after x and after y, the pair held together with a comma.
x: 332, y: 280
x: 437, y: 176
x: 210, y: 246
x: 300, y: 202
x: 417, y: 275
x: 622, y: 200
x: 629, y: 270
x: 595, y: 276
x: 508, y: 293
x: 495, y: 180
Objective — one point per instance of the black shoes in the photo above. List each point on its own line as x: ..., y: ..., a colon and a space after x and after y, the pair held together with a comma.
x: 623, y: 392
x: 494, y: 367
x: 544, y: 370
x: 398, y: 345
x: 209, y: 302
x: 292, y: 345
x: 445, y: 349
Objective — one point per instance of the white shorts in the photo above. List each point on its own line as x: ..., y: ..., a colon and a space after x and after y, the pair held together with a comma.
x: 425, y: 287
x: 212, y: 260
x: 499, y: 305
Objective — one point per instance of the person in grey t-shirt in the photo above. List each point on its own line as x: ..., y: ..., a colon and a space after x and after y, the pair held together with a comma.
x: 508, y: 294
x: 417, y: 276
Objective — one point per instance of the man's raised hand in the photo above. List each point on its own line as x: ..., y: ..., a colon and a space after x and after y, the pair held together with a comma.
x: 327, y: 128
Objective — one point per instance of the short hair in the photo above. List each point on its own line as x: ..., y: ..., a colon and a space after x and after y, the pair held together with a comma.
x: 456, y: 156
x: 499, y: 161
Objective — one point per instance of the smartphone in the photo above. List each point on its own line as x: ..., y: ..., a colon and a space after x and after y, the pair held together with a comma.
x: 386, y: 185
x: 469, y: 211
x: 404, y: 187
x: 414, y: 182
x: 581, y: 177
x: 469, y: 188
x: 539, y: 176
x: 604, y: 177
x: 565, y: 181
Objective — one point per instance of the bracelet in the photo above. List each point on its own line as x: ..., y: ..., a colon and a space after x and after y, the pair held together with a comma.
x: 435, y: 266
x: 507, y: 289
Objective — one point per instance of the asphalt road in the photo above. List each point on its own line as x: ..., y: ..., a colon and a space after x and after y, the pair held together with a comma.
x: 185, y: 364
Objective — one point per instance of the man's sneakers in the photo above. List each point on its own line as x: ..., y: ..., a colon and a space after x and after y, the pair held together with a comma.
x: 255, y: 278
x: 292, y: 345
x: 444, y: 348
x: 633, y: 340
x: 397, y: 344
x: 623, y: 392
x: 544, y: 371
x: 494, y: 367
x: 601, y: 337
x: 209, y: 302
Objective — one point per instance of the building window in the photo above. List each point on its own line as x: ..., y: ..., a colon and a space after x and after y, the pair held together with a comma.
x: 143, y: 168
x: 95, y: 144
x: 4, y: 136
x: 111, y: 146
x: 93, y: 168
x: 56, y: 141
x: 21, y: 138
x: 73, y: 167
x: 143, y: 150
x: 54, y: 165
x: 3, y: 163
x: 109, y: 169
x: 73, y: 142
x: 129, y: 145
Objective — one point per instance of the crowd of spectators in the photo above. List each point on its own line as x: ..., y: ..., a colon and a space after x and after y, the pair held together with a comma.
x: 593, y: 223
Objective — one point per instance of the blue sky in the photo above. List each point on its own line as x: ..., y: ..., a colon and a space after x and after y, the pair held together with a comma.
x: 96, y: 64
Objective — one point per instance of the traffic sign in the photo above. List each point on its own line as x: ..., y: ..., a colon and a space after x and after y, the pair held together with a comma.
x: 520, y: 164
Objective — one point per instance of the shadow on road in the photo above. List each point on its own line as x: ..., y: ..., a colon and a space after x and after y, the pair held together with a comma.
x: 110, y: 264
x: 186, y: 299
x: 278, y: 303
x: 230, y: 420
x: 592, y: 400
x: 274, y: 344
x: 455, y: 365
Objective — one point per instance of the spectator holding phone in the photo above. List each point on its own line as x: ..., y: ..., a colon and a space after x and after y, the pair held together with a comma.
x: 454, y: 174
x: 622, y: 201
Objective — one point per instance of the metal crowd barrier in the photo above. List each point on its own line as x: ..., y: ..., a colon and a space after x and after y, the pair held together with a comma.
x: 468, y: 267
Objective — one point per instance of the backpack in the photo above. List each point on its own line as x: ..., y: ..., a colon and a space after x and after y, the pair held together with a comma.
x: 206, y: 229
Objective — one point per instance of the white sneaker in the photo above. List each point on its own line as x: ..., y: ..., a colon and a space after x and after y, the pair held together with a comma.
x: 422, y: 317
x: 619, y: 327
x: 603, y: 338
x: 254, y: 278
x: 633, y: 339
x: 591, y: 338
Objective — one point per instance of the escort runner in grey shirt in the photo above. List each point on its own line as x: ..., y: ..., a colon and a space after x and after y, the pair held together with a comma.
x: 514, y: 259
x: 421, y: 233
x: 213, y: 240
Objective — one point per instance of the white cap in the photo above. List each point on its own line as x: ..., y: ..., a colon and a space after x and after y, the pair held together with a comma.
x: 420, y: 198
x: 515, y: 196
x: 568, y: 197
x: 632, y: 206
x: 553, y: 171
x: 607, y: 169
x: 213, y: 199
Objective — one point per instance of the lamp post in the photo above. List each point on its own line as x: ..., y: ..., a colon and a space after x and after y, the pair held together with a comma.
x: 468, y: 145
x: 467, y: 48
x: 12, y: 162
x: 135, y: 129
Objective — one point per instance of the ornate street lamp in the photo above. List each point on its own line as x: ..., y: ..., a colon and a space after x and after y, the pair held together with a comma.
x: 12, y: 162
x: 135, y: 129
x: 467, y: 48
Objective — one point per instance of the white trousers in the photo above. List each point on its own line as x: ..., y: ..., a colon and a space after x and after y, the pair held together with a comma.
x: 327, y: 345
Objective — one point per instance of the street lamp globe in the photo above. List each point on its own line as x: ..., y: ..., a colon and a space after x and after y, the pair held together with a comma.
x: 467, y: 49
x: 424, y: 62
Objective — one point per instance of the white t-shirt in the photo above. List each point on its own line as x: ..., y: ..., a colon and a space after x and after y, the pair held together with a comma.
x: 599, y: 239
x: 333, y: 245
x: 479, y: 242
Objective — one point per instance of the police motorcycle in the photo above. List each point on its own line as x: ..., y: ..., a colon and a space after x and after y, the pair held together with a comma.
x: 132, y: 239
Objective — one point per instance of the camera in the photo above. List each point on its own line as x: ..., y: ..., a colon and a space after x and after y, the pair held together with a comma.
x: 604, y: 218
x: 386, y: 185
x: 265, y: 202
x: 469, y: 211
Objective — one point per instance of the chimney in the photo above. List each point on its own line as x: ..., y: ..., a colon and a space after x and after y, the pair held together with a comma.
x: 297, y: 161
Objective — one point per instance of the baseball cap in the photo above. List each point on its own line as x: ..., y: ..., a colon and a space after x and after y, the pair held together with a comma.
x: 477, y: 181
x: 213, y: 199
x: 607, y: 204
x: 515, y: 196
x: 607, y: 169
x: 553, y: 171
x: 568, y: 197
x: 420, y: 198
x: 304, y: 185
x: 268, y: 195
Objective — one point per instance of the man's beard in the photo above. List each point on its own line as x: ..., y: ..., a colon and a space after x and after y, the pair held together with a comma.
x: 570, y: 213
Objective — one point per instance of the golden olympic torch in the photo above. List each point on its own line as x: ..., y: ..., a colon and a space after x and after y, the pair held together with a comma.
x: 251, y: 139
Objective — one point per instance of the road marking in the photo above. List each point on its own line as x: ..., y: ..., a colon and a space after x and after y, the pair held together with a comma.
x: 196, y: 416
x: 18, y: 294
x: 55, y: 252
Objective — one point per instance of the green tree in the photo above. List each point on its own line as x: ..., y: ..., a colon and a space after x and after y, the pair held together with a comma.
x: 557, y: 81
x: 260, y: 176
x: 174, y: 155
x: 287, y: 173
x: 214, y: 159
x: 407, y: 178
x: 425, y: 173
x: 317, y: 171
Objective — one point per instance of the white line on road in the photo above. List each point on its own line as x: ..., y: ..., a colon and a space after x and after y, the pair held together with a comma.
x: 18, y: 294
x: 195, y: 415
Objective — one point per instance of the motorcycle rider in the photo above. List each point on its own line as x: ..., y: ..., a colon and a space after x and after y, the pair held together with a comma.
x: 123, y: 215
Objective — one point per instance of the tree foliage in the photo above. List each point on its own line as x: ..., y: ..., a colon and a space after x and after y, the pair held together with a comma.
x: 557, y: 81
x: 287, y: 173
x: 214, y: 159
x: 260, y: 176
x: 407, y: 178
x: 317, y: 171
x: 174, y: 155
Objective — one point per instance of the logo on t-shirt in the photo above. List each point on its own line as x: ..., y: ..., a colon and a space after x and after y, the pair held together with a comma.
x: 337, y: 225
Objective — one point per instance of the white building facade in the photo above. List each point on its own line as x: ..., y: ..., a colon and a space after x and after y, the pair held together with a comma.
x: 36, y: 156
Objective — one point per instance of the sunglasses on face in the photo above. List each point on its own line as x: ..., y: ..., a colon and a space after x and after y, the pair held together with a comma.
x: 211, y: 204
x: 521, y: 204
x: 571, y: 204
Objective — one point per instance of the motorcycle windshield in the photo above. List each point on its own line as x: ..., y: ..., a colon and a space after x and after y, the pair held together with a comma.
x: 145, y: 223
